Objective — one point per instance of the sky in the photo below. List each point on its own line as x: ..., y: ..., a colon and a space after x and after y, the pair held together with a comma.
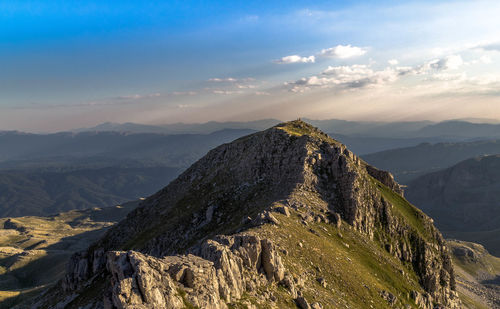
x: 73, y: 64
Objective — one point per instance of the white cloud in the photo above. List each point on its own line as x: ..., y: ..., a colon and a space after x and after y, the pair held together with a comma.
x: 226, y: 92
x: 339, y: 51
x: 485, y: 59
x: 393, y: 62
x: 231, y: 80
x: 223, y: 80
x: 451, y: 62
x: 361, y: 76
x: 345, y: 77
x: 342, y: 52
x: 181, y: 93
x: 296, y: 59
x: 443, y: 76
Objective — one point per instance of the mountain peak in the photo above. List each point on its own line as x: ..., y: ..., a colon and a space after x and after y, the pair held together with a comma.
x: 285, y: 207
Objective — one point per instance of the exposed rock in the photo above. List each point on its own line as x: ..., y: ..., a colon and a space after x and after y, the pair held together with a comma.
x: 316, y: 306
x: 384, y: 177
x: 283, y: 210
x: 139, y: 280
x: 389, y: 297
x: 210, y: 280
x: 302, y: 303
x: 322, y: 282
x: 337, y: 219
x: 265, y: 217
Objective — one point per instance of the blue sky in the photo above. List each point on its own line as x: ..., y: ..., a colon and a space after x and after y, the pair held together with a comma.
x: 65, y: 64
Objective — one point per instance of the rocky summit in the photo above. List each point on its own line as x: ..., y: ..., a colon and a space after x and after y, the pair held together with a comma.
x: 283, y: 218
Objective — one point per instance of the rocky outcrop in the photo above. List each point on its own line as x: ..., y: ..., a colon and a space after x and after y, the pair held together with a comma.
x: 385, y: 177
x: 216, y: 273
x: 143, y: 281
x: 199, y: 236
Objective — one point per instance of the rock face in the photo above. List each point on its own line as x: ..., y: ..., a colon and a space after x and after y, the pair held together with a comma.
x: 224, y: 270
x: 203, y: 240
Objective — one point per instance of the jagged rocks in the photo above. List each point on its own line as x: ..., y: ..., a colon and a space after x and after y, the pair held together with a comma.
x: 226, y: 267
x: 283, y: 210
x: 265, y: 217
x: 139, y: 281
x: 384, y: 177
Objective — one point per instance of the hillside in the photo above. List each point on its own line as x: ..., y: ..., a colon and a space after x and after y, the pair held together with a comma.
x: 34, y: 251
x: 38, y: 192
x: 478, y: 274
x: 283, y: 217
x: 463, y: 199
x: 411, y: 162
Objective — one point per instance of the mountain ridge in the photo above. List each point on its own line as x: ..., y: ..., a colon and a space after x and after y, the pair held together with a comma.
x: 245, y: 213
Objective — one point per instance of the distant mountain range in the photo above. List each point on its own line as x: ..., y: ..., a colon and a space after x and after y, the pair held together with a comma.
x: 180, y: 128
x: 463, y: 199
x: 454, y: 129
x: 46, y: 174
x: 410, y: 162
x: 167, y: 150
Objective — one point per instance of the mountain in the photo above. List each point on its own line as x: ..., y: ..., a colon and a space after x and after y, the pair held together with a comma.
x: 364, y: 145
x: 34, y: 251
x: 461, y: 129
x: 450, y: 130
x: 285, y: 217
x: 410, y: 162
x: 181, y: 128
x: 464, y: 198
x: 478, y: 274
x: 25, y: 193
x: 404, y: 129
x: 158, y: 149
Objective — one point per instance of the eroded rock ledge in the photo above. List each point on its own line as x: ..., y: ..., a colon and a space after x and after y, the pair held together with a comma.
x: 214, y: 274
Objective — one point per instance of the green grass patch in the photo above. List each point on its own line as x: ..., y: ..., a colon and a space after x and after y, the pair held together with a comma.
x: 355, y: 268
x: 411, y: 214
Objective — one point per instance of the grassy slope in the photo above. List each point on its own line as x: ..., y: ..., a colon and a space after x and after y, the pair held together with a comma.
x: 356, y: 269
